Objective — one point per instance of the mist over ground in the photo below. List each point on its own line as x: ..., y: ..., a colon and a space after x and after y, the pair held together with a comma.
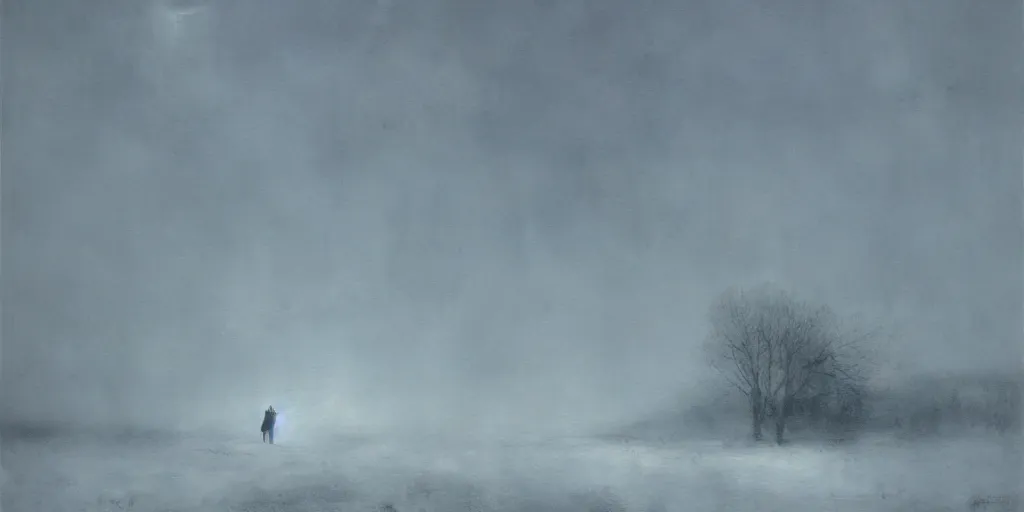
x: 487, y: 219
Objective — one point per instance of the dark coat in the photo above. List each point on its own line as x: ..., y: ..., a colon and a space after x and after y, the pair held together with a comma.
x: 269, y: 418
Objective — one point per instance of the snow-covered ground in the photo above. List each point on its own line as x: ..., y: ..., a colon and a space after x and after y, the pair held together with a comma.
x: 218, y: 473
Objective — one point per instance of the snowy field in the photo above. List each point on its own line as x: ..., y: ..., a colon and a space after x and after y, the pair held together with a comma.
x: 211, y: 473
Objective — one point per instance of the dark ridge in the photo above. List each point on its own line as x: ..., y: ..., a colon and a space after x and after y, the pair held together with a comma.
x: 43, y: 432
x: 34, y: 431
x: 925, y: 404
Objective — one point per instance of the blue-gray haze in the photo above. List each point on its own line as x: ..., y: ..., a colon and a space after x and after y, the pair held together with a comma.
x: 488, y: 217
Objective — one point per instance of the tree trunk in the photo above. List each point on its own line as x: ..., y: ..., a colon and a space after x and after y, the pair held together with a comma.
x: 781, y: 413
x: 756, y: 414
x: 780, y: 429
x: 756, y: 419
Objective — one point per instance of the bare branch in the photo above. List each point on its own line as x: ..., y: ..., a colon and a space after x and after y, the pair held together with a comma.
x: 776, y: 347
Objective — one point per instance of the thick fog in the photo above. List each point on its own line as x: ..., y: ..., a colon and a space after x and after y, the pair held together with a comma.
x: 487, y: 217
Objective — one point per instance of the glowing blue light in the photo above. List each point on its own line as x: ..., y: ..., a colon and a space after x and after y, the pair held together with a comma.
x: 279, y: 426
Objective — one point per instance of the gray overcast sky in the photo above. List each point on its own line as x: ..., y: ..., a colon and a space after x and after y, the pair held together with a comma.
x: 455, y: 212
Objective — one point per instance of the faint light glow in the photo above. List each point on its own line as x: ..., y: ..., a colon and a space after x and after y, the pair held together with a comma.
x: 181, y: 54
x: 179, y: 24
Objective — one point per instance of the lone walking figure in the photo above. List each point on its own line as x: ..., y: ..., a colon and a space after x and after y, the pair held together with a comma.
x: 269, y: 418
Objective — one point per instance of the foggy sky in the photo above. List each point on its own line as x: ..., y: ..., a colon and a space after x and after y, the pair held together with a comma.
x: 486, y: 214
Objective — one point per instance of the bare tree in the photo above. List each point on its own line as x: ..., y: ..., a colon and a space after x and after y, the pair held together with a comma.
x: 775, y: 350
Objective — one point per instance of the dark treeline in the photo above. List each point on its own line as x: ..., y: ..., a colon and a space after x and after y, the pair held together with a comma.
x: 928, y: 405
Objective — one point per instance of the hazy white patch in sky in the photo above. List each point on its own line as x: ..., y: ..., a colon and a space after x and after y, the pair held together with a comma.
x: 382, y: 14
x: 176, y: 22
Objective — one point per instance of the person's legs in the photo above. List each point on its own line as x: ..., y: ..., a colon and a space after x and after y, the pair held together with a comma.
x: 271, y: 432
x: 264, y: 436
